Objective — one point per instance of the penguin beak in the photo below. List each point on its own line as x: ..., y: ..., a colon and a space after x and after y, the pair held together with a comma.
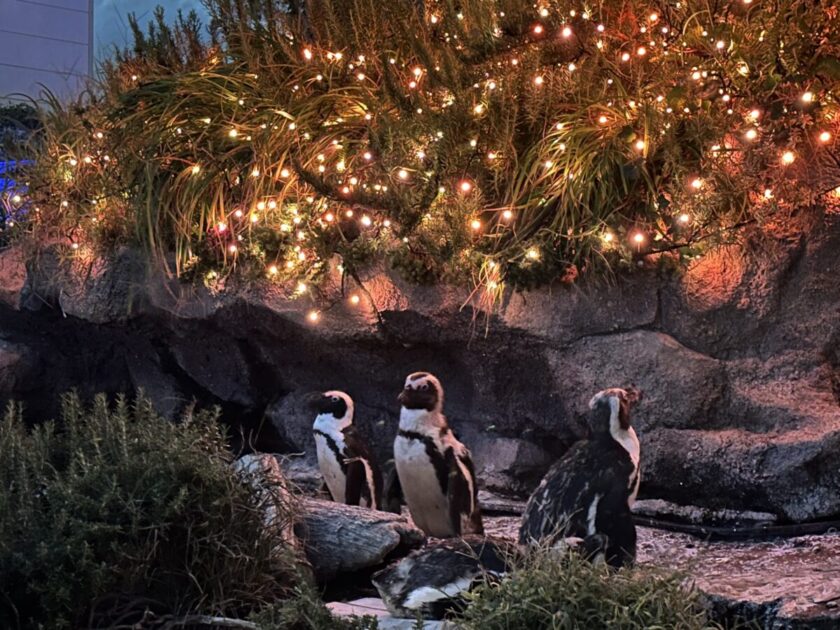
x: 314, y: 401
x: 418, y: 399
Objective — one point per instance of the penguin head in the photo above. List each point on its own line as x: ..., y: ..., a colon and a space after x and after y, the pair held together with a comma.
x: 422, y: 391
x: 610, y: 409
x: 332, y: 407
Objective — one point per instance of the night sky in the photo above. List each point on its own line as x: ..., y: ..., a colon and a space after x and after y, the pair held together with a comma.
x: 111, y: 25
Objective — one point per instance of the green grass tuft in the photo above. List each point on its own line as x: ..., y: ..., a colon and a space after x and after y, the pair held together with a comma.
x: 551, y: 593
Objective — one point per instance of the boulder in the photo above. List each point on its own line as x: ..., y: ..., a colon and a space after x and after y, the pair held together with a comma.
x: 341, y: 538
x: 738, y: 356
x: 15, y: 368
x: 262, y: 472
x: 13, y: 277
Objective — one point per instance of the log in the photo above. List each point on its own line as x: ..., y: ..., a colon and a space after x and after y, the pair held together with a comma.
x: 341, y: 538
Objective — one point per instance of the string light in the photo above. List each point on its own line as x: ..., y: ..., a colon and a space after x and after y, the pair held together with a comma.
x: 807, y: 97
x: 313, y: 316
x: 507, y: 215
x: 697, y: 183
x: 355, y: 299
x: 825, y: 136
x: 533, y: 253
x: 475, y: 224
x: 684, y: 218
x: 538, y: 80
x: 788, y: 157
x: 465, y: 186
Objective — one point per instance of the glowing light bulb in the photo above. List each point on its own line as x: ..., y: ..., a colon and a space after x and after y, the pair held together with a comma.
x: 720, y: 44
x: 355, y: 299
x: 533, y: 253
x: 349, y: 214
x: 221, y: 226
x: 402, y: 174
x: 697, y: 183
x: 238, y: 214
x: 625, y: 56
x: 368, y: 156
x: 255, y: 172
x: 307, y: 54
x: 73, y: 161
x: 539, y: 80
x: 807, y: 97
x: 608, y: 237
x: 641, y: 51
x: 196, y: 169
x: 232, y: 249
x: 313, y: 316
x: 640, y: 145
x: 638, y: 238
x: 329, y: 217
x: 386, y: 223
x: 465, y: 186
x: 16, y: 199
x: 366, y: 221
x: 788, y: 157
x: 567, y: 32
x: 603, y: 119
x: 768, y: 194
x: 825, y: 136
x: 653, y: 17
x: 284, y: 173
x: 273, y: 270
x: 684, y: 218
x: 507, y: 215
x: 233, y: 133
x: 475, y: 224
x: 538, y: 29
x: 751, y: 134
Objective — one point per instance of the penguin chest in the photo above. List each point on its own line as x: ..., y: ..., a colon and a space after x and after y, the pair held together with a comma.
x: 330, y: 463
x: 419, y: 478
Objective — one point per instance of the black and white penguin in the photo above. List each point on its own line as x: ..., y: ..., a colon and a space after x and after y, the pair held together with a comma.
x: 585, y: 498
x: 435, y: 470
x: 433, y: 581
x: 349, y: 468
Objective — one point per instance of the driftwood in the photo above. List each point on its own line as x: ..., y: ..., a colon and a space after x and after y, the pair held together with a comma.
x: 343, y: 538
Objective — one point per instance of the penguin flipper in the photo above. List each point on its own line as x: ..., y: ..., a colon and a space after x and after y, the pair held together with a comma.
x: 354, y: 482
x: 464, y: 514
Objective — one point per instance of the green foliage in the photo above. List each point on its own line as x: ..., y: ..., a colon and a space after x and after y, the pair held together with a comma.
x: 117, y: 510
x: 456, y: 133
x: 551, y: 593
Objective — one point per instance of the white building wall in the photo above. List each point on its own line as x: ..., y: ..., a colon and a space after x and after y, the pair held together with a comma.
x: 45, y: 43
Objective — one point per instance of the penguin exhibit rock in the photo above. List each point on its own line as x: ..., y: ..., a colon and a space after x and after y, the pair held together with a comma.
x: 431, y: 582
x: 350, y: 470
x: 584, y: 500
x: 435, y: 470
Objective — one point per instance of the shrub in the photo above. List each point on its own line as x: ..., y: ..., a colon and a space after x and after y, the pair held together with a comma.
x: 547, y: 592
x: 117, y: 511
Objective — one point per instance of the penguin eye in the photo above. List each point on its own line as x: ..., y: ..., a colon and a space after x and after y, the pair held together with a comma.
x: 334, y: 398
x: 424, y: 387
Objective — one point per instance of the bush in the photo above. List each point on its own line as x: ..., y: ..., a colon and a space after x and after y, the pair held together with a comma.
x: 547, y: 592
x: 117, y: 511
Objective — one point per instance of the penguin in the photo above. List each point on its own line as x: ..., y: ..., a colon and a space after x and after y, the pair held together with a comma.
x: 350, y: 470
x: 585, y: 499
x: 435, y: 470
x: 433, y: 581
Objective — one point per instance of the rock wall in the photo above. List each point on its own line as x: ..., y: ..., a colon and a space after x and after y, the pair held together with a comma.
x: 738, y: 356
